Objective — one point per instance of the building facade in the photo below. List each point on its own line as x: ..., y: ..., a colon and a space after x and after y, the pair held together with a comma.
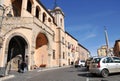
x: 102, y: 51
x: 83, y: 53
x: 31, y: 33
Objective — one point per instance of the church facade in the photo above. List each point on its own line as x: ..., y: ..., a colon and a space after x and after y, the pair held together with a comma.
x: 31, y: 33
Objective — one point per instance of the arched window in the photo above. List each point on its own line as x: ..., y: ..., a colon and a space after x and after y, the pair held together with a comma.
x: 37, y: 12
x: 49, y: 20
x: 29, y: 6
x: 44, y: 17
x: 16, y: 5
x: 61, y: 21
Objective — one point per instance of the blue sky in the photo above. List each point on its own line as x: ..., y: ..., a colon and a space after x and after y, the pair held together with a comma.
x: 85, y: 20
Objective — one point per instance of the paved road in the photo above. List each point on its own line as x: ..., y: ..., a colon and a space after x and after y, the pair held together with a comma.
x: 62, y: 74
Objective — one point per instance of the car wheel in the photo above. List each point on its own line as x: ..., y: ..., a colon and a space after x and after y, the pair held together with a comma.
x: 81, y: 65
x: 105, y: 73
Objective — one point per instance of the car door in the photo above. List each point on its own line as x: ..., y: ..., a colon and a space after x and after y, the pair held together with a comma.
x: 111, y: 65
x: 117, y: 61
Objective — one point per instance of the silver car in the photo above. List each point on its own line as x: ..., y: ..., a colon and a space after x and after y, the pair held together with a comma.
x: 105, y: 65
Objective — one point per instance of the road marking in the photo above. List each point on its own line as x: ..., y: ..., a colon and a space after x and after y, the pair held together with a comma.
x: 6, y: 77
x: 87, y: 79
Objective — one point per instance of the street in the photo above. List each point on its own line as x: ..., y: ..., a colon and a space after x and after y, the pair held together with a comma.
x: 62, y: 74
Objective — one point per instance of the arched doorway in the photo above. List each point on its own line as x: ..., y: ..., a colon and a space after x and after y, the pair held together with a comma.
x: 41, y: 53
x: 16, y: 52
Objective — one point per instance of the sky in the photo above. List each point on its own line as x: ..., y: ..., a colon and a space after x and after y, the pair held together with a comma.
x: 85, y: 20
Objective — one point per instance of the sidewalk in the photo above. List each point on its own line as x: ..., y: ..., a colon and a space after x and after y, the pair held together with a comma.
x: 16, y: 76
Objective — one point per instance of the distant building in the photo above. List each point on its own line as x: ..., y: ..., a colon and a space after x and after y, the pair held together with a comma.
x: 83, y: 53
x: 102, y: 51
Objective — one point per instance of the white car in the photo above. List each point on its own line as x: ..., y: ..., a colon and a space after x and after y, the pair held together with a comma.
x: 105, y: 65
x: 81, y: 63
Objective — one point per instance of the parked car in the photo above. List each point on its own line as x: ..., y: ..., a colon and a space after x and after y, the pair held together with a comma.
x: 88, y: 61
x: 105, y: 65
x: 80, y: 63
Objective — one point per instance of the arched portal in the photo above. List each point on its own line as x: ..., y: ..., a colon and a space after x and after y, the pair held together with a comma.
x: 16, y: 52
x: 41, y: 40
x: 41, y: 53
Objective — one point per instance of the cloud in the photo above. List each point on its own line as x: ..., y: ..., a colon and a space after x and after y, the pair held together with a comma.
x: 89, y: 36
x: 75, y: 28
x: 83, y: 32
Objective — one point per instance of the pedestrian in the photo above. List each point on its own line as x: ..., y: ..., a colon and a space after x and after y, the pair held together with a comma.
x: 23, y: 67
x: 19, y: 66
x: 26, y: 61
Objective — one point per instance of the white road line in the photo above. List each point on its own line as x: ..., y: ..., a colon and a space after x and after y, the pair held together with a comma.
x: 7, y: 77
x: 87, y: 79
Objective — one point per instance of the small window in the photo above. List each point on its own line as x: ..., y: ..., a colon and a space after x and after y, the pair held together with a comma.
x: 29, y: 6
x: 49, y: 20
x: 63, y: 40
x: 68, y: 54
x: 44, y: 17
x: 63, y: 55
x: 69, y: 45
x: 53, y: 54
x: 37, y: 12
x: 61, y: 21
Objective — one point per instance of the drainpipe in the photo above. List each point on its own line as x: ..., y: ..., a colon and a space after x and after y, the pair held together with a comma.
x: 59, y: 48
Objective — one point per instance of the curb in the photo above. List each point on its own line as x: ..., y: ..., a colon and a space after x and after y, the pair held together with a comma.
x: 52, y: 68
x: 7, y: 77
x: 40, y: 70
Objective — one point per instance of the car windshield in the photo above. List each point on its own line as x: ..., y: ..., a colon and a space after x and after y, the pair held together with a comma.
x: 82, y: 61
x: 96, y: 60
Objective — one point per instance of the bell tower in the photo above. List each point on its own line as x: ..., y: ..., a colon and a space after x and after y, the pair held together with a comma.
x: 58, y: 15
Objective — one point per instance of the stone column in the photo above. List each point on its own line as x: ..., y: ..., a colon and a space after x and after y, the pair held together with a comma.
x: 24, y: 6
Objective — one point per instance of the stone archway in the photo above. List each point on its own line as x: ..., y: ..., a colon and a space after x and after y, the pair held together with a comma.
x: 16, y: 52
x: 41, y: 52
